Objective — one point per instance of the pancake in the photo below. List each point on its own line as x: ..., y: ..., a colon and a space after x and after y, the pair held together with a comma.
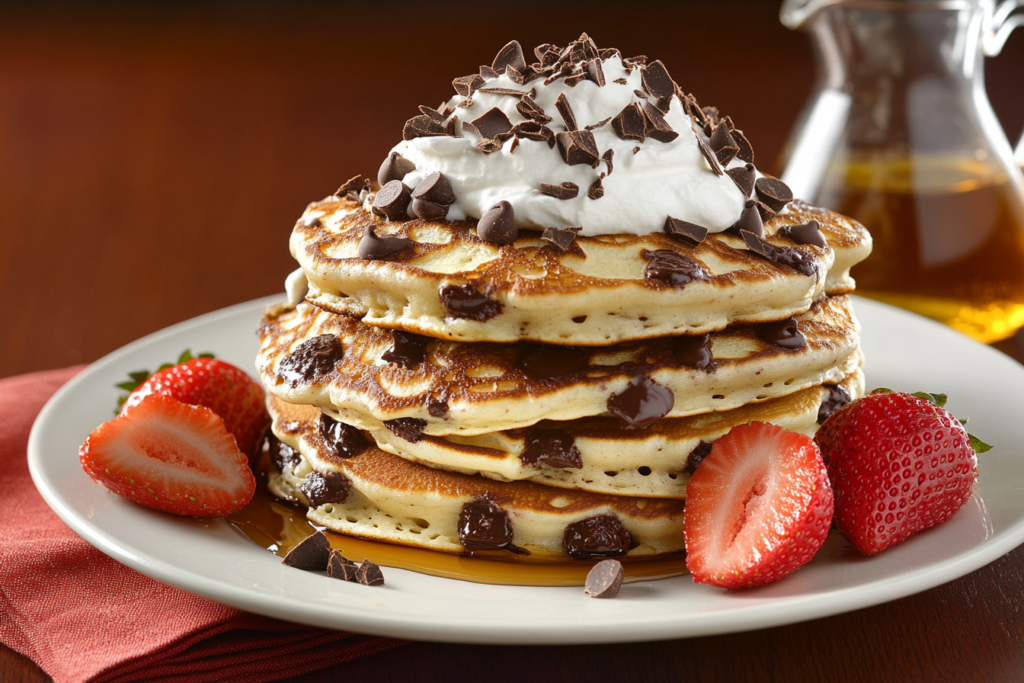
x: 470, y: 389
x: 394, y: 500
x: 649, y: 462
x: 593, y: 294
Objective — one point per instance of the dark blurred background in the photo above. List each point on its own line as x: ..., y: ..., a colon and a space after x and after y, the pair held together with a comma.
x: 154, y: 156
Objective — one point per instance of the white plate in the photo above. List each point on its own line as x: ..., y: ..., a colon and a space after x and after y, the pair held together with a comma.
x: 208, y: 558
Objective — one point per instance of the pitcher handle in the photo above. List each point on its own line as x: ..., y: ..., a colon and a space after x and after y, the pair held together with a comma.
x: 1003, y: 21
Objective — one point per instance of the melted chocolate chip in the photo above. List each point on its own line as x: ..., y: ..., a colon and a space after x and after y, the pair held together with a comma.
x: 749, y: 221
x: 369, y: 574
x: 437, y: 408
x: 577, y: 147
x: 392, y: 201
x: 690, y: 233
x: 310, y: 554
x: 429, y: 211
x: 498, y: 224
x: 395, y: 167
x: 484, y: 526
x: 600, y: 536
x: 340, y: 567
x: 697, y: 455
x: 491, y: 125
x: 773, y: 192
x: 693, y: 352
x: 561, y: 238
x: 785, y: 334
x: 563, y: 191
x: 806, y: 233
x: 551, y: 447
x: 744, y: 178
x: 546, y: 361
x: 630, y: 123
x: 435, y: 188
x: 643, y: 402
x: 783, y: 256
x: 345, y: 440
x: 321, y: 489
x: 837, y: 398
x: 511, y: 55
x: 671, y: 268
x: 281, y: 454
x: 373, y: 247
x: 605, y: 579
x: 408, y: 349
x: 469, y: 303
x: 312, y: 360
x: 408, y: 428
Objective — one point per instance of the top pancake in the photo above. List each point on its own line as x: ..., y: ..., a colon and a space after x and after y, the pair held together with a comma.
x: 594, y: 294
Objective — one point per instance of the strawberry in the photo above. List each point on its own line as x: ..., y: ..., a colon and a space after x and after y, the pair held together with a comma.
x: 170, y: 456
x: 219, y: 386
x: 899, y: 464
x: 758, y: 507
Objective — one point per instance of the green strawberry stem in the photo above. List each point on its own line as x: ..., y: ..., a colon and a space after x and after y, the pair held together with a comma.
x: 977, y: 444
x: 140, y: 376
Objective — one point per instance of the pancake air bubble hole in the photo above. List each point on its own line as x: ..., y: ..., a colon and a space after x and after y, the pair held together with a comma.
x: 672, y: 476
x: 761, y: 397
x: 610, y: 474
x: 718, y: 396
x: 580, y: 319
x: 767, y: 385
x: 350, y: 519
x: 328, y: 508
x: 421, y: 523
x: 644, y: 471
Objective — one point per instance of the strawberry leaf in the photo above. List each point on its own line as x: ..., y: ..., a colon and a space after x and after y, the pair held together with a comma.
x: 140, y: 376
x: 937, y: 399
x: 978, y: 445
x: 882, y: 390
x: 963, y: 422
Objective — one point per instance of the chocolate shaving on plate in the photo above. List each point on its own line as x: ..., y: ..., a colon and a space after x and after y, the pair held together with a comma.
x: 311, y: 554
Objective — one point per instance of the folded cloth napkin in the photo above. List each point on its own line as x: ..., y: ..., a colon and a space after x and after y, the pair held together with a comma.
x: 82, y: 616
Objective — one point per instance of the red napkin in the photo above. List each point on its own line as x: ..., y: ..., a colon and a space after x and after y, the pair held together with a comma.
x: 82, y: 616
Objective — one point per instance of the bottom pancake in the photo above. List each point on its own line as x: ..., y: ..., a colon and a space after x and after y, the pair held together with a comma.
x: 383, y: 497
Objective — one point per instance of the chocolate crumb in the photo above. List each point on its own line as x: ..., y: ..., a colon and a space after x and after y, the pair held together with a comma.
x: 498, y: 224
x: 697, y: 455
x: 806, y: 233
x: 340, y: 567
x: 561, y: 238
x: 562, y: 105
x: 744, y: 178
x: 607, y: 157
x: 407, y: 349
x: 773, y: 192
x: 395, y: 167
x: 321, y: 489
x: 596, y: 190
x: 408, y: 428
x: 621, y: 81
x: 641, y: 94
x: 785, y: 334
x: 564, y: 191
x: 605, y: 579
x: 635, y: 150
x: 642, y: 403
x: 577, y: 147
x: 690, y: 233
x: 599, y: 536
x: 373, y: 247
x: 369, y: 574
x: 595, y: 126
x: 311, y: 554
x: 344, y: 440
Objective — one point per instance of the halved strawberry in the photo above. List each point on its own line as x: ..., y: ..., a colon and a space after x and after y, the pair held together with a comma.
x: 170, y: 456
x: 221, y: 387
x: 757, y: 508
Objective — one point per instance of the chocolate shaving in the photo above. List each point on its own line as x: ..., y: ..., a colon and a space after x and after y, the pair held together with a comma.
x: 504, y: 91
x: 465, y: 104
x: 744, y: 178
x: 631, y: 124
x: 574, y: 80
x: 621, y: 81
x: 492, y: 124
x: 657, y: 127
x: 353, y: 184
x: 709, y: 156
x: 531, y: 130
x: 609, y: 52
x: 664, y: 104
x: 561, y: 238
x: 595, y: 126
x: 806, y: 233
x: 690, y: 233
x: 595, y: 72
x: 431, y: 112
x: 408, y: 428
x: 422, y: 126
x: 542, y: 50
x: 635, y: 150
x: 596, y: 189
x: 449, y: 128
x: 465, y: 85
x: 514, y: 146
x: 607, y: 157
x: 656, y: 80
x: 641, y: 94
x: 605, y: 579
x: 369, y: 574
x: 509, y: 56
x: 529, y: 109
x: 783, y: 256
x: 562, y: 105
x: 487, y: 73
x: 746, y: 152
x: 373, y: 247
x: 515, y: 76
x: 563, y: 191
x: 311, y: 554
x: 773, y: 192
x: 577, y: 147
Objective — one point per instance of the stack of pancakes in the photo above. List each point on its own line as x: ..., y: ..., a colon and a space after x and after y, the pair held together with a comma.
x: 465, y: 396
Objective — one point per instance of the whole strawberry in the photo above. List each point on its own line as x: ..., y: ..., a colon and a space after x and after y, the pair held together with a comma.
x: 899, y: 464
x: 223, y: 388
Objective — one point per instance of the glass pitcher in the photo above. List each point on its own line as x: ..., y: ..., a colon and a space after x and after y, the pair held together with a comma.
x: 900, y: 135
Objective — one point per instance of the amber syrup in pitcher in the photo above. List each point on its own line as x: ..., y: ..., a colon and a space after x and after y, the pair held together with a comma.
x: 947, y: 243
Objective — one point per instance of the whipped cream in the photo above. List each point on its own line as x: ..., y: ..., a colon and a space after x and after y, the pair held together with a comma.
x: 660, y: 179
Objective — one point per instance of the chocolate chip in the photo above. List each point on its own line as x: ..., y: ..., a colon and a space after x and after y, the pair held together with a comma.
x: 563, y: 191
x: 321, y: 489
x: 630, y: 123
x: 657, y: 127
x: 437, y: 408
x: 529, y: 109
x: 369, y: 574
x: 596, y: 190
x: 547, y: 361
x: 746, y: 152
x: 310, y: 554
x: 643, y: 402
x: 565, y: 111
x: 465, y: 85
x: 469, y: 303
x: 773, y: 192
x: 605, y: 579
x: 395, y: 167
x: 607, y: 157
x: 783, y: 256
x: 722, y: 144
x: 656, y: 80
x: 744, y: 178
x: 709, y: 156
x: 422, y: 126
x: 509, y: 56
x: 484, y: 526
x: 785, y: 334
x: 312, y: 360
x: 671, y: 268
x: 434, y: 188
x: 595, y: 72
x: 408, y: 428
x: 353, y: 184
x: 561, y: 238
x: 693, y: 352
x: 749, y: 221
x: 498, y: 224
x: 577, y: 147
x: 806, y: 233
x: 407, y: 350
x: 392, y: 200
x: 766, y: 213
x: 373, y: 247
x: 492, y: 124
x: 697, y: 455
x: 551, y: 447
x: 429, y: 211
x: 837, y: 398
x: 345, y: 440
x: 487, y: 73
x: 600, y: 536
x: 681, y: 230
x: 281, y: 454
x: 340, y: 567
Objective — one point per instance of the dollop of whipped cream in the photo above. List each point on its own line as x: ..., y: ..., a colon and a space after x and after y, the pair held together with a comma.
x: 643, y: 184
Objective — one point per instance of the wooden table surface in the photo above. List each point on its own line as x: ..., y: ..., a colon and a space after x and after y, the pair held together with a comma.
x: 153, y: 160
